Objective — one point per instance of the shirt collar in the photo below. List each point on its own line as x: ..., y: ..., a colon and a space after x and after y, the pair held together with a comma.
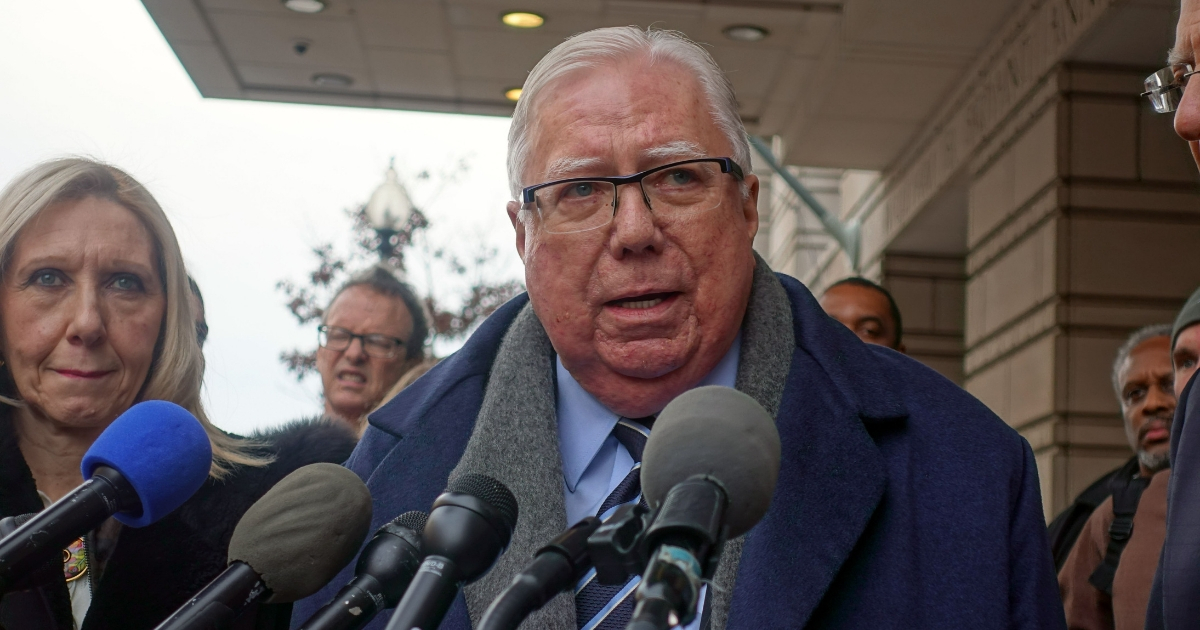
x: 584, y: 423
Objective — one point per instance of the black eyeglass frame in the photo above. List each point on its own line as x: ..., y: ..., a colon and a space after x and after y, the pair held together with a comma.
x: 727, y: 166
x: 323, y: 332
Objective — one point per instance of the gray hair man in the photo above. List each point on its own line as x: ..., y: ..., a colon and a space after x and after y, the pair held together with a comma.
x: 1106, y: 579
x: 635, y: 210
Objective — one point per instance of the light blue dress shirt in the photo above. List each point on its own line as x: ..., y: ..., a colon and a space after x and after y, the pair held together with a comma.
x: 594, y: 461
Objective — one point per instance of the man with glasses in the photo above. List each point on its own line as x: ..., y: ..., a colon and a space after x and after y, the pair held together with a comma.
x: 373, y: 331
x: 901, y: 500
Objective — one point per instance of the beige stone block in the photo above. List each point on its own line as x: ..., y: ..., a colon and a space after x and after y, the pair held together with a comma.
x: 1104, y: 80
x: 949, y: 306
x: 1163, y: 155
x: 934, y: 266
x: 991, y: 387
x: 949, y: 367
x: 1131, y: 196
x: 990, y: 198
x: 1035, y: 157
x: 1110, y: 256
x: 1100, y: 433
x: 944, y: 344
x: 914, y: 297
x: 1089, y: 368
x: 1121, y: 313
x: 1103, y: 138
x: 1016, y: 281
x: 975, y: 322
x: 1031, y: 382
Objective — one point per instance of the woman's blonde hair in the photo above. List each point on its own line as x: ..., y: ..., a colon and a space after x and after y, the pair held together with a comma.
x: 177, y: 370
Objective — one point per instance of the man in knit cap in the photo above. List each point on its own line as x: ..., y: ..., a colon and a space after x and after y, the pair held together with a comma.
x: 1175, y: 600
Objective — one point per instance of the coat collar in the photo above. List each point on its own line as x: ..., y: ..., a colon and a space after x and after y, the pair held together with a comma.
x: 832, y: 478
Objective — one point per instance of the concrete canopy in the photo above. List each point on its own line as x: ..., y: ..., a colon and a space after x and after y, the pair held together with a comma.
x: 845, y: 84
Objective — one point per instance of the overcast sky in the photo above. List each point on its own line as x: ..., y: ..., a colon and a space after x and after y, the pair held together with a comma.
x: 249, y: 187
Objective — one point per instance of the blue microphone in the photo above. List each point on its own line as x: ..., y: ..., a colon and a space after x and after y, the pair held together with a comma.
x: 143, y: 466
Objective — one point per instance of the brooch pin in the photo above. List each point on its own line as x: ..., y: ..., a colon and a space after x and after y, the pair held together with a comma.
x: 75, y: 561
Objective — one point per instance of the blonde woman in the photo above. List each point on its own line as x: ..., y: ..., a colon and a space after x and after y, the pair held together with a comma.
x: 94, y: 317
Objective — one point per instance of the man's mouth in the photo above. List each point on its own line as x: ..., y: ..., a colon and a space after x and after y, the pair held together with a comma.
x: 638, y: 302
x: 1157, y: 431
x: 353, y: 377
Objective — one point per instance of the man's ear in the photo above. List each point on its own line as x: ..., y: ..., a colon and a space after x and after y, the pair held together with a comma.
x: 514, y: 210
x: 750, y: 205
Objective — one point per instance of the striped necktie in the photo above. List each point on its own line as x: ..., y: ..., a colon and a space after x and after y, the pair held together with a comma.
x: 604, y: 606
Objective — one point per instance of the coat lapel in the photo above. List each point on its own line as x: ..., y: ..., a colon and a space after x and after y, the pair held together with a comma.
x: 832, y: 476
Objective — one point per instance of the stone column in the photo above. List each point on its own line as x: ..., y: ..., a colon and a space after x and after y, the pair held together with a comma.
x: 928, y: 289
x: 1083, y: 224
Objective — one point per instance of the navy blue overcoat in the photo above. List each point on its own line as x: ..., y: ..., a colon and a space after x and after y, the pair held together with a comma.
x: 902, y: 501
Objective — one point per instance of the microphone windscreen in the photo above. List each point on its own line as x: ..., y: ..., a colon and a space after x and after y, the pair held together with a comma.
x: 720, y: 432
x: 303, y: 530
x: 414, y: 520
x: 161, y: 449
x: 489, y: 491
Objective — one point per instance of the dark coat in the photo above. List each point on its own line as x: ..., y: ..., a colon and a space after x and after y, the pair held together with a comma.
x: 902, y: 502
x: 1175, y: 598
x: 155, y: 569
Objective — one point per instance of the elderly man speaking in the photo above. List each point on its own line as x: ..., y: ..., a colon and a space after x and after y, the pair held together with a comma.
x: 902, y: 502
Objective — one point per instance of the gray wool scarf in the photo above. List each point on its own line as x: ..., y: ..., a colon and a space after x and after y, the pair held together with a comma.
x: 515, y: 440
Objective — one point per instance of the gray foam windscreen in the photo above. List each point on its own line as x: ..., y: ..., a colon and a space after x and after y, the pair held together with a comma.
x: 303, y: 530
x: 720, y: 432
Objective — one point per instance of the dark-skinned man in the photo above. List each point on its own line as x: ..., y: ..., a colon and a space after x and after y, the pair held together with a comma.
x: 867, y: 309
x: 1106, y: 579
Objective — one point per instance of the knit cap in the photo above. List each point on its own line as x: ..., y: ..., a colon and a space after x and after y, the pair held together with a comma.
x: 1188, y: 315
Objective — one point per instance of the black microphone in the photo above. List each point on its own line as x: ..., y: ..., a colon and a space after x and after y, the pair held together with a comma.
x: 708, y: 471
x: 286, y: 546
x: 145, y: 464
x: 385, y: 568
x: 469, y: 527
x: 555, y: 568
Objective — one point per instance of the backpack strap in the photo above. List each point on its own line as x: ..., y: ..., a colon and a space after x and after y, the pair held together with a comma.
x: 1126, y: 495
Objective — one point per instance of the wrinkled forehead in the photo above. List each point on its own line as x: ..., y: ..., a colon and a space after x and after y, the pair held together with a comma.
x: 593, y: 116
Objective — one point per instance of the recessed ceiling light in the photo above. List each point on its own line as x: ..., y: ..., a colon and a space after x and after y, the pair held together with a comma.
x: 332, y: 79
x: 512, y: 94
x: 746, y: 33
x: 522, y: 19
x: 305, y: 6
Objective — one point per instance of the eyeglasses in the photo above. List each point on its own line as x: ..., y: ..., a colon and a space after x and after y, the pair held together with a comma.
x: 1165, y: 87
x: 375, y: 345
x: 671, y: 191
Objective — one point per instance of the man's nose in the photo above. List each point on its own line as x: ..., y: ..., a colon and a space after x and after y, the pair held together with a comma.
x: 1187, y: 116
x: 356, y: 352
x: 634, y: 230
x: 1158, y: 400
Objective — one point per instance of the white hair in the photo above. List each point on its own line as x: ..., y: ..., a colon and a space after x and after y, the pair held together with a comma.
x: 594, y: 48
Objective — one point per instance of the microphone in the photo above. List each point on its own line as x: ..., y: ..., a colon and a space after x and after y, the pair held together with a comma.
x: 286, y: 546
x: 709, y: 470
x: 385, y: 568
x: 555, y: 568
x: 149, y: 461
x: 469, y: 527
